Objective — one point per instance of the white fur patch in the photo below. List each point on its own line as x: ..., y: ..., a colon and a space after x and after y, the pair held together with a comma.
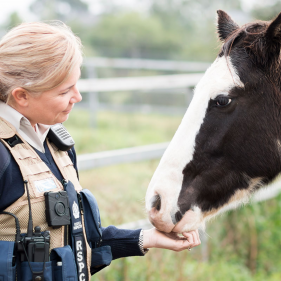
x: 168, y: 177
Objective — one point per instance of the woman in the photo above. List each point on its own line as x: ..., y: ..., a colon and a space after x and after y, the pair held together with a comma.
x: 39, y: 68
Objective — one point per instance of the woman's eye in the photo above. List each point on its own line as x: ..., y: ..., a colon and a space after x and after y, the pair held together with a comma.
x: 222, y: 101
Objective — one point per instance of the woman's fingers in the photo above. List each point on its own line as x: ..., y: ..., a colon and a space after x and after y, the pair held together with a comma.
x: 197, y: 240
x: 193, y: 238
x: 155, y: 239
x: 189, y: 237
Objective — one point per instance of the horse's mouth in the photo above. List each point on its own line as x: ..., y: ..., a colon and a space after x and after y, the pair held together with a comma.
x: 191, y: 220
x: 160, y: 221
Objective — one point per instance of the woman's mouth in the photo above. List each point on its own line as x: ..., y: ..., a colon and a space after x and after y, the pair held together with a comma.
x: 67, y: 111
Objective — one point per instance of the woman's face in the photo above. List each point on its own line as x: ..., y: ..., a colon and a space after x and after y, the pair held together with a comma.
x: 52, y: 107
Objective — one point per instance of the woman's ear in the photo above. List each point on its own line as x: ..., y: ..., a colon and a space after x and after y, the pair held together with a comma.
x: 20, y: 97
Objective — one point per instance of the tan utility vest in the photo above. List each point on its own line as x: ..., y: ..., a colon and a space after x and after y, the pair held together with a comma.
x: 36, y: 172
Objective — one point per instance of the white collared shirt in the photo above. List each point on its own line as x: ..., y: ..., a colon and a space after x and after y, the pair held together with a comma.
x: 24, y: 128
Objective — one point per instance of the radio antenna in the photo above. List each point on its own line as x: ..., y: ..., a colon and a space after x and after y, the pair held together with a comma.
x: 30, y: 222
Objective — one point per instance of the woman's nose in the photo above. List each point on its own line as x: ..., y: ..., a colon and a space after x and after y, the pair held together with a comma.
x: 76, y: 95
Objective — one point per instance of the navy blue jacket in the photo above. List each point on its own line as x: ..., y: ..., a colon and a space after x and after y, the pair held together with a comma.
x: 123, y: 242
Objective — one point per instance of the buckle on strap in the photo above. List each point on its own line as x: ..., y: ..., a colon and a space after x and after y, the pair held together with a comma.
x: 13, y: 141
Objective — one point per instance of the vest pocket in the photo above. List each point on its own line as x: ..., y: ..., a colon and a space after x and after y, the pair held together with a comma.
x: 7, y: 269
x: 64, y: 266
x: 101, y: 255
x: 26, y: 274
x: 92, y: 218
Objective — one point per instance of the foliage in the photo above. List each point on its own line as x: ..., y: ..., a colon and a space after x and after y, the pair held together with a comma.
x: 13, y: 20
x: 135, y: 35
x: 266, y: 12
x: 59, y: 9
x: 170, y: 29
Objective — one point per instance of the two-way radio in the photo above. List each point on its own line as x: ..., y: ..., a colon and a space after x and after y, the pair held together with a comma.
x: 34, y: 246
x: 60, y: 137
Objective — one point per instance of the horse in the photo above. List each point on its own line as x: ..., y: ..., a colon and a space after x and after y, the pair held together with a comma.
x: 228, y: 144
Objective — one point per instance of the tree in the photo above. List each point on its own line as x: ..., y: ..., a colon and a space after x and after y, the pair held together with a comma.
x: 134, y: 35
x: 13, y: 20
x: 64, y: 10
x: 266, y: 12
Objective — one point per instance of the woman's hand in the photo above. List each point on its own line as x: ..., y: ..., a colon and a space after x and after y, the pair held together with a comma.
x: 153, y: 238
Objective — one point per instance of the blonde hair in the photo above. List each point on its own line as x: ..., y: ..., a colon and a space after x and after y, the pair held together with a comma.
x: 37, y: 57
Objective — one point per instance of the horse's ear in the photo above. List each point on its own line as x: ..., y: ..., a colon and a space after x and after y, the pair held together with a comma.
x: 273, y: 32
x: 225, y: 25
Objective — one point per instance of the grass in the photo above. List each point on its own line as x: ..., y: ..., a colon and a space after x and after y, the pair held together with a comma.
x: 117, y: 130
x: 120, y: 190
x: 119, y: 187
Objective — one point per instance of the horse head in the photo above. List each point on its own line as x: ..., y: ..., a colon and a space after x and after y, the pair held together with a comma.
x: 229, y: 141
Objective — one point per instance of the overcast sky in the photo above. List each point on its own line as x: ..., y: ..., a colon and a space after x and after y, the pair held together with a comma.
x: 22, y: 7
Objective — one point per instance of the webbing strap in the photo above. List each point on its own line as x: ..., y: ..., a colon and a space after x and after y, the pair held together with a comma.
x: 64, y: 161
x: 76, y: 230
x: 23, y: 153
x: 34, y: 169
x: 56, y: 157
x: 6, y: 129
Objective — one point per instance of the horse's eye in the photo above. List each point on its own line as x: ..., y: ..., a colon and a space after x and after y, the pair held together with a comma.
x: 222, y: 101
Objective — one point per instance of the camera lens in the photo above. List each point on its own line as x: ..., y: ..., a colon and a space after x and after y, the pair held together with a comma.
x: 60, y: 209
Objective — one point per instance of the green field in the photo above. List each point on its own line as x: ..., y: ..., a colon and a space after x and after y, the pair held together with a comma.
x: 242, y: 245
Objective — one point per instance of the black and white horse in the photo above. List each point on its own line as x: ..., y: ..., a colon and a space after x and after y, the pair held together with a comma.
x: 229, y: 141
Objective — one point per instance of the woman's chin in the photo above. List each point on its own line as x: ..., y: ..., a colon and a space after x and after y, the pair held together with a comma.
x: 62, y: 118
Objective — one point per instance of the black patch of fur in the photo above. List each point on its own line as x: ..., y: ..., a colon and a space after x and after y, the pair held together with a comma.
x: 238, y: 142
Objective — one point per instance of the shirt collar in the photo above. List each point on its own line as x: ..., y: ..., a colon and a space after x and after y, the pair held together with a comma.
x: 24, y: 128
x: 11, y: 115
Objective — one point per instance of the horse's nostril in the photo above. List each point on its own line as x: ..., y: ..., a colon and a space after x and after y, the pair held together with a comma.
x: 156, y: 202
x: 178, y: 216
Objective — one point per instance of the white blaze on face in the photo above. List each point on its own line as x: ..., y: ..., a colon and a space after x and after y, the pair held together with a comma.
x: 168, y: 177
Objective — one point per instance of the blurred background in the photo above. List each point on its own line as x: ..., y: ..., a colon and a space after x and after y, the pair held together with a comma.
x: 142, y: 61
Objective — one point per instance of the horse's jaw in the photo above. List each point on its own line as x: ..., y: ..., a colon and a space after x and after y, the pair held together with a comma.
x: 196, y: 218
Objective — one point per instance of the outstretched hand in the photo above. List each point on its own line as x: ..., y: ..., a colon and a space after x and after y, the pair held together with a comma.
x: 154, y: 238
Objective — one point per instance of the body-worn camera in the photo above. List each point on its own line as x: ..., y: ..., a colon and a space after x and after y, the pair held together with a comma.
x: 57, y: 208
x: 36, y: 247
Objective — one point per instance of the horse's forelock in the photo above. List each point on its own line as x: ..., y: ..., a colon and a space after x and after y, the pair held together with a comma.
x: 263, y: 50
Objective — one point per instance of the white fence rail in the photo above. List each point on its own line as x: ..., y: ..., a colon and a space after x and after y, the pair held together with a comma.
x: 139, y: 83
x: 179, y: 83
x: 161, y: 65
x: 125, y: 155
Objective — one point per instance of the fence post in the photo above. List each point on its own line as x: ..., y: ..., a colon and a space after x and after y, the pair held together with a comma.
x: 93, y: 97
